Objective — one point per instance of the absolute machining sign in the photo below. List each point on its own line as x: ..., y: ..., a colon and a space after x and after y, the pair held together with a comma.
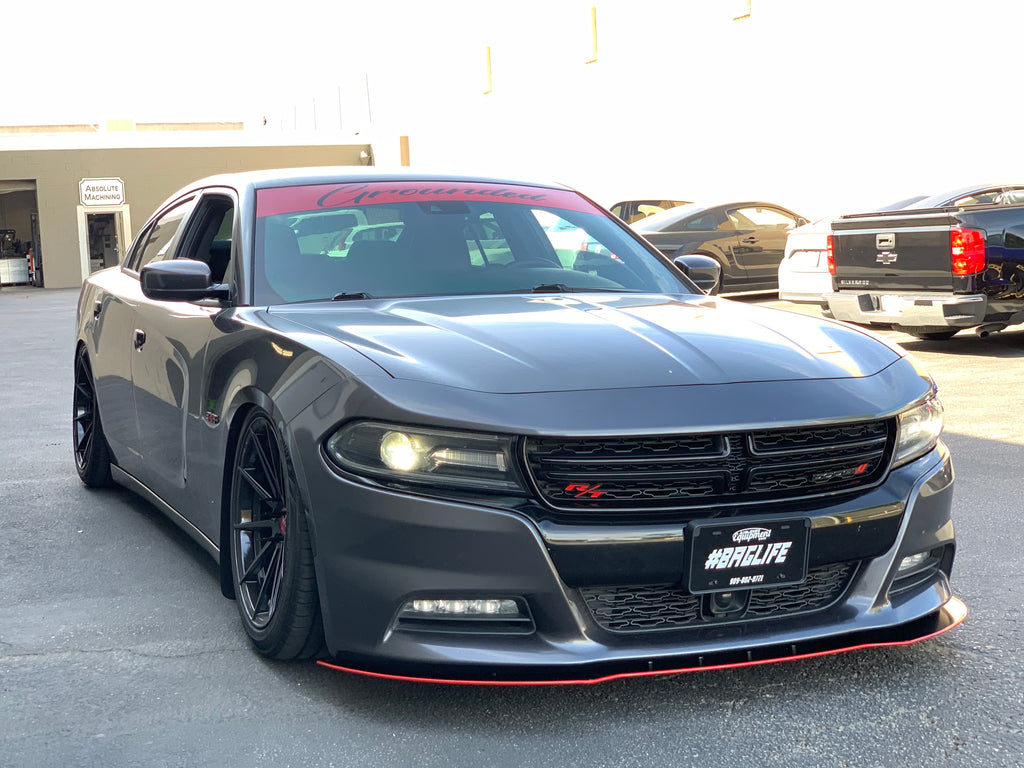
x: 101, y: 191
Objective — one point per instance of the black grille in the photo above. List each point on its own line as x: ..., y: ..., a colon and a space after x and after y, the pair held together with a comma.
x: 651, y: 473
x: 659, y: 607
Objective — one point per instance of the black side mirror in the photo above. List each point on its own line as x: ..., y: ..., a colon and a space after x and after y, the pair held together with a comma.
x: 703, y: 270
x: 180, y: 280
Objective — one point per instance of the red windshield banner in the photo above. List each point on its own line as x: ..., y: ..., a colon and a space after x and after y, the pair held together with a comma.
x: 280, y: 200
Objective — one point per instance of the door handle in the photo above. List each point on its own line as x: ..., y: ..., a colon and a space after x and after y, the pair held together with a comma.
x: 97, y: 308
x: 140, y: 338
x: 749, y: 240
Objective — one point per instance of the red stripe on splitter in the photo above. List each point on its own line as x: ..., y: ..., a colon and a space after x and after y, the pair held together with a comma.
x: 954, y: 607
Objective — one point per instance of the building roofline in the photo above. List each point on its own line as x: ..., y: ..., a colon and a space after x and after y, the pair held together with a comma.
x: 79, y: 140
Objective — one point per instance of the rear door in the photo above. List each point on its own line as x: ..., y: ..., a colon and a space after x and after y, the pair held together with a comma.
x: 760, y: 241
x: 897, y: 253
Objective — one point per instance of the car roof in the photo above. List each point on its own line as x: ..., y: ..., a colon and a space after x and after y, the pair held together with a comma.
x: 947, y: 198
x: 277, y: 177
x: 673, y: 215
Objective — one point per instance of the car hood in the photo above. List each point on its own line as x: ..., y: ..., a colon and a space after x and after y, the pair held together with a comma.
x: 518, y: 344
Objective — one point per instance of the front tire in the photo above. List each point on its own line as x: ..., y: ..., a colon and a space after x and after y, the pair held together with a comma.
x: 271, y: 558
x: 92, y: 455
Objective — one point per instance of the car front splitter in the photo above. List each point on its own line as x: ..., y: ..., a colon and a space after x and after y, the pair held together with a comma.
x: 951, y: 614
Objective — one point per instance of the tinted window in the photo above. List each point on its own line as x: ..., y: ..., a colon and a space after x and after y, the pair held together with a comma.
x: 161, y: 238
x: 454, y: 239
x: 761, y: 217
x: 712, y: 220
x: 209, y: 239
x: 671, y: 220
x: 979, y: 198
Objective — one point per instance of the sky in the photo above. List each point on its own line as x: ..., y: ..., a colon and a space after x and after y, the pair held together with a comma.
x: 821, y: 105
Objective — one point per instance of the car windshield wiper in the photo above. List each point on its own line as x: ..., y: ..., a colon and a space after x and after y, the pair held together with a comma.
x: 563, y: 288
x: 345, y: 296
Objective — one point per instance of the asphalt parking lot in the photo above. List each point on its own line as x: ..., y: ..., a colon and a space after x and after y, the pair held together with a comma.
x: 116, y: 648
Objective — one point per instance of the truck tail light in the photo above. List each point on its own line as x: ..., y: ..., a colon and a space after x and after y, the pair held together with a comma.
x: 830, y: 249
x: 967, y: 247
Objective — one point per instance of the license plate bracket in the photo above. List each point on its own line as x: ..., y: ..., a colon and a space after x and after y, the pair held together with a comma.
x: 730, y: 556
x: 891, y: 304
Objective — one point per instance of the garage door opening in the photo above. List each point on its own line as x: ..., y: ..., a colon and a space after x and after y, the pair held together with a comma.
x: 20, y: 261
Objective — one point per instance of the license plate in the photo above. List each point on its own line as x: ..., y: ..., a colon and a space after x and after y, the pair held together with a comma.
x: 727, y: 556
x: 892, y: 305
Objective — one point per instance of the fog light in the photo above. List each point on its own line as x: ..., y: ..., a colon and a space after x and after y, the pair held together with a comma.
x: 441, y: 607
x: 913, y: 561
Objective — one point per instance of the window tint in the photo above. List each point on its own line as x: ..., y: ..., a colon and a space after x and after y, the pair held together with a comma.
x: 761, y: 217
x: 1013, y: 196
x: 446, y: 240
x: 209, y: 238
x: 161, y: 238
x: 632, y: 211
x: 979, y: 198
x: 709, y: 221
x: 567, y: 239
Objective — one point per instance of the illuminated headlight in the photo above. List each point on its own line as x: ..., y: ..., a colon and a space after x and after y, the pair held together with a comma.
x: 426, y: 456
x: 920, y: 428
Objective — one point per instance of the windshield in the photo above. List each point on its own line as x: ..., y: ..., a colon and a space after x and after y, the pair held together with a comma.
x: 391, y: 239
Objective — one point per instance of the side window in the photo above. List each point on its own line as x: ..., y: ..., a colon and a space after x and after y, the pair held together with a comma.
x: 761, y: 217
x: 566, y: 238
x: 486, y: 241
x: 980, y: 198
x: 706, y: 222
x: 162, y: 237
x: 209, y: 236
x: 1012, y: 196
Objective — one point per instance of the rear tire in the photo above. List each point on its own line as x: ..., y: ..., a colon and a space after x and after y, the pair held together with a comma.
x: 92, y: 455
x: 927, y: 333
x: 271, y: 558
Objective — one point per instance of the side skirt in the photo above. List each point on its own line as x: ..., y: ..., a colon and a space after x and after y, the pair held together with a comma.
x: 124, y: 479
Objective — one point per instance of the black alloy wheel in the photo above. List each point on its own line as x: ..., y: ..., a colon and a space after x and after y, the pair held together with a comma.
x: 271, y: 559
x: 92, y: 456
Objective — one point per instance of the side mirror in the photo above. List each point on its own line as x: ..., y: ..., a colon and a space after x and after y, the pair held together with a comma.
x: 703, y: 270
x: 180, y: 280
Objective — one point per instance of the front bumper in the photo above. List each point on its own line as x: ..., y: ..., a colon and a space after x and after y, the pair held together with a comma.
x: 377, y: 549
x: 920, y: 310
x: 950, y: 615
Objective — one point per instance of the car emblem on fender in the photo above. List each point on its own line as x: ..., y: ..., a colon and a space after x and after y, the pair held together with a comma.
x: 886, y: 257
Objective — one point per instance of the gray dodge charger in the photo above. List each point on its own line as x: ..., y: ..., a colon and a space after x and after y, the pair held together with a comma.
x: 477, y: 430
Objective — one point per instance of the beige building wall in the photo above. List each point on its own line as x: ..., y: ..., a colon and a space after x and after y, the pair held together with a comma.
x: 150, y: 175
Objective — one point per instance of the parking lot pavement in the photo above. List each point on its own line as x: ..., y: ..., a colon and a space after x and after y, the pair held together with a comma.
x: 116, y: 648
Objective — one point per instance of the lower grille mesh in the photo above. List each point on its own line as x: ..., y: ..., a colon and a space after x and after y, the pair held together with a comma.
x: 659, y: 607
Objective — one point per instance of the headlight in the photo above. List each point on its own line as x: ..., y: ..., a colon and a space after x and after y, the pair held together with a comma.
x: 433, y: 457
x: 920, y: 428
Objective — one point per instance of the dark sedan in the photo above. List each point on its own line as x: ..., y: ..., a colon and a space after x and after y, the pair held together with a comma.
x: 747, y: 239
x: 475, y: 452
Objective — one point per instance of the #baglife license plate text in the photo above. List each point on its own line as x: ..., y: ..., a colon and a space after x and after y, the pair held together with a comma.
x: 727, y: 556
